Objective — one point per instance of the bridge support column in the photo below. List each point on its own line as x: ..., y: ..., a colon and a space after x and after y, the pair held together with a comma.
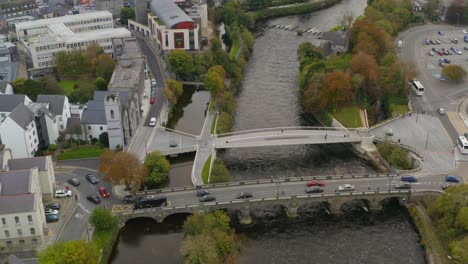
x: 335, y: 207
x: 245, y: 218
x: 292, y: 211
x: 375, y: 206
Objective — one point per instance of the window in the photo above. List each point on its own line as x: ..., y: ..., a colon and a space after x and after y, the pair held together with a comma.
x: 7, y: 233
x: 112, y: 114
x: 179, y: 40
x: 30, y: 219
x: 33, y: 231
x: 17, y: 218
x: 3, y: 221
x: 100, y: 128
x: 9, y: 243
x: 20, y: 232
x: 89, y: 127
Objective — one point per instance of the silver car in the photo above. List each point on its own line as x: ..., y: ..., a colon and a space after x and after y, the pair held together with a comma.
x: 346, y: 188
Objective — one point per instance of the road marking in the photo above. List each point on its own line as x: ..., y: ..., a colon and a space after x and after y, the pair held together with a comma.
x: 80, y: 216
x: 84, y: 209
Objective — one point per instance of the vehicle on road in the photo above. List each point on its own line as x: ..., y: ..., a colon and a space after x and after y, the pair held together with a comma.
x: 315, y: 183
x: 403, y: 185
x: 464, y: 31
x: 430, y: 53
x: 202, y: 192
x: 440, y: 33
x: 447, y: 61
x: 207, y: 198
x: 153, y: 83
x: 103, y: 192
x: 92, y: 178
x: 94, y: 198
x: 441, y: 110
x: 55, y: 206
x: 244, y: 195
x: 346, y: 188
x: 462, y: 144
x: 129, y: 199
x: 451, y: 178
x: 443, y: 79
x: 62, y: 193
x: 313, y: 189
x: 152, y: 122
x: 418, y: 88
x: 52, y: 218
x: 152, y: 100
x: 408, y: 178
x: 150, y: 201
x: 50, y: 211
x: 74, y: 181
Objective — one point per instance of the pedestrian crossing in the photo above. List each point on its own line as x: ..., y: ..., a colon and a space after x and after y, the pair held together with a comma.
x: 64, y: 169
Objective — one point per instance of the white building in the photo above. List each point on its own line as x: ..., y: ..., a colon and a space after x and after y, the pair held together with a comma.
x: 93, y: 119
x: 21, y: 211
x: 42, y: 39
x: 59, y: 106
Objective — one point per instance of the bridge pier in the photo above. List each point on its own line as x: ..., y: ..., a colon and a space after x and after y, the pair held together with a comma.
x: 245, y: 217
x: 335, y: 207
x: 292, y: 211
x: 375, y: 206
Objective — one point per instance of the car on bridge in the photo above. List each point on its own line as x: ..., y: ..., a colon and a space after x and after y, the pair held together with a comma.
x: 315, y: 183
x: 451, y: 178
x: 244, y: 195
x: 408, y: 178
x: 207, y: 198
x: 129, y: 199
x: 403, y: 185
x: 313, y: 189
x: 201, y: 192
x: 346, y: 188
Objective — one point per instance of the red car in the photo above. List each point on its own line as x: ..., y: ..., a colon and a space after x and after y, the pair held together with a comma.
x: 103, y: 192
x: 315, y: 183
x: 152, y: 100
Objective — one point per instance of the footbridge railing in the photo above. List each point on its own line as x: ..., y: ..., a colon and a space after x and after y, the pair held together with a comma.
x: 259, y: 130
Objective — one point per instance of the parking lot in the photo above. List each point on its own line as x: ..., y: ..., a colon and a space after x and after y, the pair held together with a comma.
x: 436, y: 44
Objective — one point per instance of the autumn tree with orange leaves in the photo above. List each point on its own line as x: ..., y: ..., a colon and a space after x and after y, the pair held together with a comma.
x: 336, y: 91
x: 122, y: 168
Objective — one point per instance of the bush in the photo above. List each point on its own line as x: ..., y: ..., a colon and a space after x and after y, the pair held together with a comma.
x: 102, y: 219
x: 395, y: 156
x: 293, y: 10
x: 219, y: 172
x: 104, y: 139
x: 52, y: 147
x: 93, y: 141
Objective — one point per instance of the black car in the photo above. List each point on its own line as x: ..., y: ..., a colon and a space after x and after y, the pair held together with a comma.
x: 207, y: 198
x: 129, y: 199
x: 244, y: 195
x: 447, y: 61
x: 92, y: 178
x: 314, y: 189
x: 54, y: 206
x: 94, y: 198
x: 74, y: 181
x: 202, y: 192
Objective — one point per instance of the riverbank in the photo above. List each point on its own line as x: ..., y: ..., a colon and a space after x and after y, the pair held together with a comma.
x: 292, y: 9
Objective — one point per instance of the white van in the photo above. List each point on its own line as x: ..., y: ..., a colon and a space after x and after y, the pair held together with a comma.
x: 462, y: 144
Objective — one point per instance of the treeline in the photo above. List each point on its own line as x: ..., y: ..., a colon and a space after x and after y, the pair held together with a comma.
x: 298, y: 9
x: 258, y: 4
x: 370, y: 75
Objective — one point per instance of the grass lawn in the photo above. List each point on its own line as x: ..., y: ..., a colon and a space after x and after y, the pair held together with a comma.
x: 399, y: 109
x: 101, y: 238
x: 206, y: 170
x: 349, y: 117
x: 81, y: 152
x: 213, y: 124
x: 67, y: 85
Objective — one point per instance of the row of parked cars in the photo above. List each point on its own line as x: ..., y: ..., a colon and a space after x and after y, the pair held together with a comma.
x: 314, y: 186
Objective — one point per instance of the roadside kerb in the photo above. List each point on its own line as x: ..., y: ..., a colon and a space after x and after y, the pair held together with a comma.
x: 71, y: 215
x: 386, y: 121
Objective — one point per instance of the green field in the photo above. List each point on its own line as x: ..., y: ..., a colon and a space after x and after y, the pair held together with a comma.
x: 67, y: 85
x: 206, y: 170
x: 81, y: 153
x: 397, y: 110
x: 349, y: 117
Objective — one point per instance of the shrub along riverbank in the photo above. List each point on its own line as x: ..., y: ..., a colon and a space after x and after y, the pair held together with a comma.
x: 296, y: 9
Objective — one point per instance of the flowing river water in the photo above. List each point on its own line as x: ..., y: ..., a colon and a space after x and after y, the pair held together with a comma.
x: 269, y: 98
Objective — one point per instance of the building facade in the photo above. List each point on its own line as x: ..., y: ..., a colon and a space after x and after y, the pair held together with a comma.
x: 59, y: 106
x: 113, y: 6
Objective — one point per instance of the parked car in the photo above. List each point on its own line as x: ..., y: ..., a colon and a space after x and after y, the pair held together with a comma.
x: 103, y: 192
x: 442, y: 64
x: 152, y: 122
x: 74, y: 181
x: 94, y: 198
x: 440, y: 33
x: 465, y: 48
x: 62, y: 193
x: 458, y: 52
x: 244, y: 195
x: 129, y: 199
x: 202, y: 192
x: 437, y: 41
x: 443, y: 79
x: 451, y: 178
x: 408, y: 178
x: 447, y: 61
x: 313, y: 189
x: 434, y: 49
x: 153, y: 83
x: 403, y: 185
x: 464, y: 31
x: 207, y: 198
x: 346, y: 188
x: 454, y: 40
x: 432, y: 42
x: 441, y: 110
x: 315, y: 183
x: 441, y: 53
x: 50, y: 211
x: 430, y: 53
x: 52, y: 218
x: 92, y: 178
x: 152, y: 100
x: 55, y: 206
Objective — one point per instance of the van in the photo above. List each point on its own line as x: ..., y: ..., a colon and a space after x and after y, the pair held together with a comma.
x: 462, y: 144
x: 408, y: 178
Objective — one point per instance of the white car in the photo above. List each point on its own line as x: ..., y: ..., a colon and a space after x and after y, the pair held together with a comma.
x: 51, y: 211
x: 153, y: 83
x: 464, y: 31
x: 63, y: 193
x: 430, y: 53
x: 152, y: 122
x: 346, y: 188
x: 441, y: 111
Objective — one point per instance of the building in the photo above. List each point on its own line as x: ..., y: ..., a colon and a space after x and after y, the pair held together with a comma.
x: 113, y: 6
x: 93, y: 119
x: 141, y: 11
x: 45, y: 169
x: 21, y: 211
x: 8, y: 62
x: 5, y: 88
x: 18, y: 8
x: 18, y: 132
x: 42, y: 39
x: 59, y: 106
x: 5, y: 156
x: 46, y: 125
x: 337, y: 41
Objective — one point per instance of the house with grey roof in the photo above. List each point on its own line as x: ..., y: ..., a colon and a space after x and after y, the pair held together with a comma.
x: 337, y: 40
x: 93, y: 118
x: 8, y: 103
x: 45, y: 168
x: 21, y: 211
x: 59, y: 106
x: 18, y: 132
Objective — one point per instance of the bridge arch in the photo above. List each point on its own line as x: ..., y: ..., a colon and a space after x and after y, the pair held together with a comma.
x: 310, y: 209
x: 356, y: 205
x: 139, y: 218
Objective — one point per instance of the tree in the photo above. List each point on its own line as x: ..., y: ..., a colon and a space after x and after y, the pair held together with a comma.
x: 180, y: 62
x: 224, y: 123
x: 219, y: 172
x: 454, y: 72
x: 455, y: 12
x: 227, y: 101
x: 158, y: 169
x: 173, y: 91
x: 100, y: 84
x: 70, y: 252
x: 366, y: 66
x: 307, y: 53
x: 214, y: 79
x: 346, y: 21
x: 83, y: 92
x: 104, y: 67
x: 336, y: 91
x: 459, y: 249
x: 102, y: 219
x: 104, y: 139
x: 462, y: 218
x: 126, y: 13
x: 122, y: 167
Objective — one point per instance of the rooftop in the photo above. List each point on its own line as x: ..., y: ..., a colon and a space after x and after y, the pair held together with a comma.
x: 15, y: 182
x: 64, y: 19
x: 94, y: 114
x: 28, y: 163
x: 126, y: 75
x: 169, y: 13
x: 56, y: 102
x: 8, y: 102
x: 22, y: 116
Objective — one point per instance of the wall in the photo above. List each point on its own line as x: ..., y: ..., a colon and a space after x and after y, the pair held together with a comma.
x: 15, y: 138
x: 94, y: 130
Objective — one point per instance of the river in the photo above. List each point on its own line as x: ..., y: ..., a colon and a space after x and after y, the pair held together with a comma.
x: 269, y: 98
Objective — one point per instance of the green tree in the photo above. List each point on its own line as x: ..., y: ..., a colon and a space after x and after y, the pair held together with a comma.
x: 173, y: 91
x: 102, y: 219
x: 32, y: 88
x: 454, y: 72
x: 462, y: 218
x: 70, y: 252
x: 459, y: 249
x: 214, y: 79
x: 104, y: 139
x: 181, y: 63
x: 100, y: 84
x: 219, y: 172
x: 104, y: 67
x: 395, y: 156
x: 158, y: 169
x: 227, y: 101
x: 126, y: 13
x: 224, y: 123
x: 83, y: 92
